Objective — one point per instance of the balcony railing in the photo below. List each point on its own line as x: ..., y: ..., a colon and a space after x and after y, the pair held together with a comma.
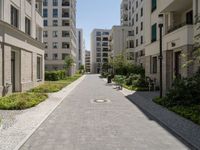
x: 175, y: 27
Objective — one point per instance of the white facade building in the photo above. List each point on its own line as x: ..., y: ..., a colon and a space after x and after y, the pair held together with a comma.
x: 80, y: 54
x: 59, y: 33
x: 99, y: 49
x: 21, y: 48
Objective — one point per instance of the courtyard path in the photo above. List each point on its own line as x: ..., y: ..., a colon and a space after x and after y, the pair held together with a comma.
x: 79, y: 123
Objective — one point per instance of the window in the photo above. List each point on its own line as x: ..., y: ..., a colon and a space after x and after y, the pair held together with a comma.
x: 130, y: 55
x: 65, y: 45
x: 131, y: 44
x: 55, y: 56
x: 65, y: 34
x: 141, y: 40
x: 55, y: 13
x: 153, y: 5
x: 98, y: 59
x: 136, y: 42
x: 98, y: 55
x: 55, y: 34
x: 65, y: 3
x: 45, y: 23
x: 136, y: 4
x: 55, y: 23
x: 136, y: 17
x: 45, y: 2
x: 65, y: 23
x: 98, y: 34
x: 39, y: 68
x: 45, y: 13
x: 105, y: 60
x: 105, y: 54
x: 46, y: 44
x: 55, y: 2
x: 45, y: 33
x: 141, y: 12
x: 154, y: 33
x: 27, y: 26
x: 154, y: 65
x: 45, y: 56
x: 65, y: 13
x: 136, y: 30
x: 55, y: 45
x: 141, y: 26
x: 98, y: 49
x: 64, y: 55
x: 14, y: 17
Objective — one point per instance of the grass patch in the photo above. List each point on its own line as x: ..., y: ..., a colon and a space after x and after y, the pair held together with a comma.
x: 190, y: 112
x: 21, y: 101
x: 55, y: 86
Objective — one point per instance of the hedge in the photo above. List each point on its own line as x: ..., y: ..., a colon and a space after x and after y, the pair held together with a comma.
x: 55, y: 75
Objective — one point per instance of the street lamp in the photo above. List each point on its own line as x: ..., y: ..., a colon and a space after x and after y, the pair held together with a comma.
x: 161, y: 56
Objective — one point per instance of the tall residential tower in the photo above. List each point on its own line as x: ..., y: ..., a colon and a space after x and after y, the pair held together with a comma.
x: 59, y: 32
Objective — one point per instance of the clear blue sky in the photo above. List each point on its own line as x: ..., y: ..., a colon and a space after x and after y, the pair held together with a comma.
x: 97, y: 14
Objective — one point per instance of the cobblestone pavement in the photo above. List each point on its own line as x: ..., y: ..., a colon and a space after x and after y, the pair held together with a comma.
x: 79, y: 123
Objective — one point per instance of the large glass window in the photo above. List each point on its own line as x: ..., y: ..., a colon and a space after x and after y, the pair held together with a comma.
x: 55, y: 22
x: 65, y: 45
x: 65, y: 33
x: 55, y: 13
x: 55, y: 2
x: 45, y: 2
x: 14, y: 17
x: 45, y: 13
x: 45, y: 23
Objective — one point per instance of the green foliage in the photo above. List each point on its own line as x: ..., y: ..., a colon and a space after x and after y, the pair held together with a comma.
x: 21, y: 101
x: 55, y: 86
x: 119, y: 79
x: 69, y: 61
x: 136, y: 80
x: 55, y: 75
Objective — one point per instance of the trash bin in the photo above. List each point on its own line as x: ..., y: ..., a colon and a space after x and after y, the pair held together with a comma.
x: 109, y: 78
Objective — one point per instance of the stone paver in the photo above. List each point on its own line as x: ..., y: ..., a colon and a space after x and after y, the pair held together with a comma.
x: 182, y: 127
x: 17, y: 126
x: 80, y: 124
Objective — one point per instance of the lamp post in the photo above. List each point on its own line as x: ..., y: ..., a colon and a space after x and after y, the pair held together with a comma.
x: 161, y: 55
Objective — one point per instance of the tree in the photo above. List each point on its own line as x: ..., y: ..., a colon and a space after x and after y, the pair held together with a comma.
x: 69, y: 61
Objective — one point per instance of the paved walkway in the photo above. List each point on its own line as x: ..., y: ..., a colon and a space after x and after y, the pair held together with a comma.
x: 80, y: 124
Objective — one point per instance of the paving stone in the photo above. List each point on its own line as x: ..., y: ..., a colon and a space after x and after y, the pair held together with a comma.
x: 79, y: 124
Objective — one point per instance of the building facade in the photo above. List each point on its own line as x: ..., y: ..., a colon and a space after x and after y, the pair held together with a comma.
x: 132, y: 15
x: 80, y: 54
x: 87, y: 61
x: 178, y: 39
x: 21, y: 48
x: 59, y: 33
x: 99, y: 49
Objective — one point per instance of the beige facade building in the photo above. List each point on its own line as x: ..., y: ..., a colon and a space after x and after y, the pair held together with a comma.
x: 59, y: 33
x: 178, y: 39
x: 99, y: 49
x: 87, y: 61
x: 21, y: 48
x: 132, y: 16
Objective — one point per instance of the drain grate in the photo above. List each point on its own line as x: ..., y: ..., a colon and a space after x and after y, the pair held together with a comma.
x: 101, y: 101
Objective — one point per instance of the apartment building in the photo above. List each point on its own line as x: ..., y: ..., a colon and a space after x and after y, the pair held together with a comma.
x: 99, y: 49
x: 87, y: 61
x: 21, y: 48
x: 178, y: 39
x: 132, y: 15
x: 80, y: 52
x: 59, y: 33
x: 118, y: 41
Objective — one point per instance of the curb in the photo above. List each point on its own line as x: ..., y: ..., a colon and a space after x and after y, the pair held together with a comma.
x: 74, y: 85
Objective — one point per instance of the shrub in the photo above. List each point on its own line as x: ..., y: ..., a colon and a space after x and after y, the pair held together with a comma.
x: 21, y: 100
x: 119, y: 79
x: 55, y: 75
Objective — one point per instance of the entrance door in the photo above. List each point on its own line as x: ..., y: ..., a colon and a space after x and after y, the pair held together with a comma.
x: 178, y: 64
x: 13, y: 71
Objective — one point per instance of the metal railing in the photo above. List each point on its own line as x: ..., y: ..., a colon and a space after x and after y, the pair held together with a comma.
x: 178, y: 26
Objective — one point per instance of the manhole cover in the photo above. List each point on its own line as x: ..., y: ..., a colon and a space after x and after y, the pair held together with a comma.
x: 101, y: 101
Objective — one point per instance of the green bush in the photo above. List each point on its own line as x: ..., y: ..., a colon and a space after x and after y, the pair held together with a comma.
x: 21, y: 100
x: 55, y: 75
x: 119, y: 79
x: 185, y: 91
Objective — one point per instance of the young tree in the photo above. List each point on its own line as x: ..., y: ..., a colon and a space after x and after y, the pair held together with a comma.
x: 69, y: 61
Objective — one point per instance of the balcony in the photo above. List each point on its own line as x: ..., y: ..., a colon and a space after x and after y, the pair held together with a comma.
x: 176, y: 27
